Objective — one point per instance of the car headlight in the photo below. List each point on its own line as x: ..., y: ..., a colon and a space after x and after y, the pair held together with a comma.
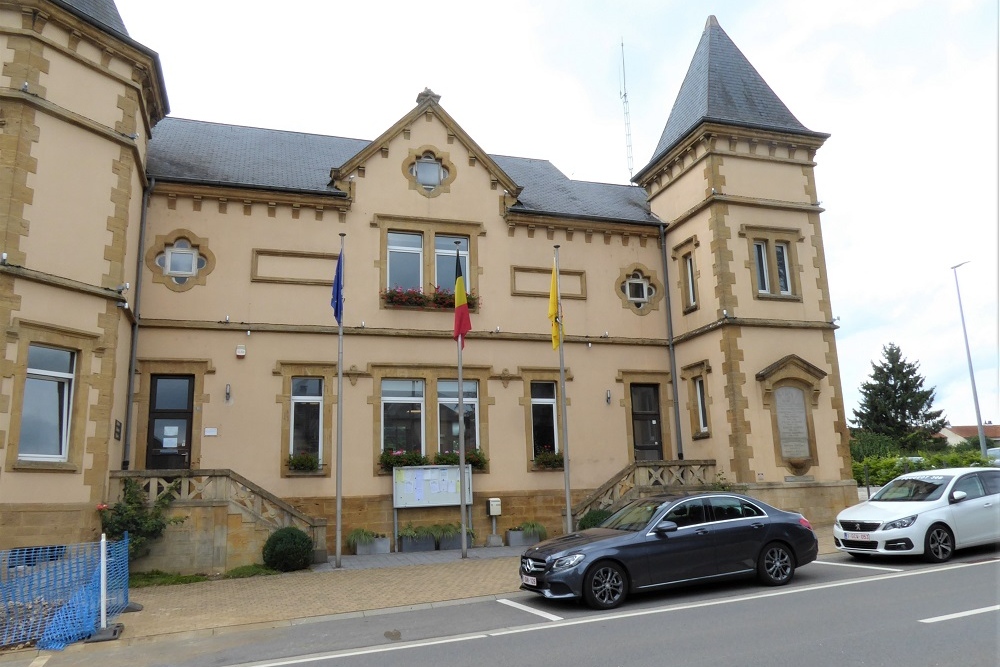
x: 567, y: 562
x: 900, y: 523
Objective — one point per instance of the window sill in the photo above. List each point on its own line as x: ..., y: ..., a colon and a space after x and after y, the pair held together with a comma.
x: 545, y: 469
x: 305, y: 473
x: 689, y: 309
x: 704, y: 435
x: 23, y: 465
x: 767, y: 296
x: 430, y: 307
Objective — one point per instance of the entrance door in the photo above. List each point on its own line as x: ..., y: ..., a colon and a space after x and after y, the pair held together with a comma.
x: 168, y: 443
x: 646, y: 435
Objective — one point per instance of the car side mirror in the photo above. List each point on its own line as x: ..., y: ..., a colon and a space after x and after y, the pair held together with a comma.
x: 666, y: 527
x: 958, y: 496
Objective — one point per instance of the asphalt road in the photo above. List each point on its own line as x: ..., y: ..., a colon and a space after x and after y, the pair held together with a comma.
x: 837, y: 611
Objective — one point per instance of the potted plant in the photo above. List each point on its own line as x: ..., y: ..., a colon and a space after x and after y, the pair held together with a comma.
x: 450, y: 536
x: 473, y: 457
x: 419, y: 538
x: 548, y: 461
x: 399, y: 458
x: 304, y: 462
x: 525, y: 534
x: 367, y: 542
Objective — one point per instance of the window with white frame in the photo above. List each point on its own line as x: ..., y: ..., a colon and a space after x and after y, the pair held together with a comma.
x: 305, y: 434
x: 543, y: 418
x: 403, y: 416
x: 428, y: 171
x: 638, y: 289
x: 700, y: 404
x: 405, y: 261
x: 773, y: 260
x: 444, y: 260
x: 46, y: 408
x: 690, y: 293
x: 448, y: 425
x: 181, y: 261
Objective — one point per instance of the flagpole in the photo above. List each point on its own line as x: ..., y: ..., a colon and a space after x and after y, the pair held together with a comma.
x: 340, y: 398
x: 562, y: 401
x: 461, y: 425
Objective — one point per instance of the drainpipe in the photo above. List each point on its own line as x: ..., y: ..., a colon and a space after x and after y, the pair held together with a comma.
x: 670, y: 340
x: 135, y: 324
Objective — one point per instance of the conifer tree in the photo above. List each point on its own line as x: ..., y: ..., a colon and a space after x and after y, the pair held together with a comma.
x: 895, y: 403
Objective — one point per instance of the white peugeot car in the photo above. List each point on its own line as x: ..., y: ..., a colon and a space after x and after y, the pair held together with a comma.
x: 929, y: 513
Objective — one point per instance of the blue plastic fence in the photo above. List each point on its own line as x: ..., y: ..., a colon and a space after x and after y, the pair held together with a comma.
x: 51, y: 596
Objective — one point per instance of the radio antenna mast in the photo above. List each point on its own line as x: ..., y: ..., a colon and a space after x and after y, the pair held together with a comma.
x: 623, y: 94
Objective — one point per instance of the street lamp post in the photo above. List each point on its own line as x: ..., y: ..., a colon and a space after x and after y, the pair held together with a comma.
x: 968, y: 355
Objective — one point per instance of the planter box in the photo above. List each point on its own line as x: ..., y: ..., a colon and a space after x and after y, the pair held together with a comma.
x: 408, y: 544
x: 454, y: 542
x: 518, y: 538
x: 380, y: 545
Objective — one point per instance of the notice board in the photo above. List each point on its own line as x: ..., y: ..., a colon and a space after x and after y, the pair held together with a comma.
x: 429, y: 486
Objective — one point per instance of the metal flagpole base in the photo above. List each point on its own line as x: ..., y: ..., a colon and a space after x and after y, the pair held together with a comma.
x: 494, y: 540
x: 132, y: 606
x: 106, y: 634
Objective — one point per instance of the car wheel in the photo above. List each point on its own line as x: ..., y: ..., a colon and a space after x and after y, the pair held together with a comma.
x: 604, y: 586
x: 776, y: 565
x: 939, y: 544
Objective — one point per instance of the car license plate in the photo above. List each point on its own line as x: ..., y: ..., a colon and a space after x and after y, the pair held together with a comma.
x: 861, y: 537
x: 528, y: 581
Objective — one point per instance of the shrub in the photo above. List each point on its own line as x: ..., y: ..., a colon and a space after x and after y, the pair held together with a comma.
x: 865, y: 444
x: 593, y: 518
x: 288, y: 549
x: 882, y: 470
x: 133, y: 515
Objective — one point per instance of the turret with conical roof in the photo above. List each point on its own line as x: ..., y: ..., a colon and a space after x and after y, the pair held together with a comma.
x: 721, y: 86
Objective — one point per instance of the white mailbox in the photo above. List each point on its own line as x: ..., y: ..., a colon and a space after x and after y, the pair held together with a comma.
x: 493, y: 507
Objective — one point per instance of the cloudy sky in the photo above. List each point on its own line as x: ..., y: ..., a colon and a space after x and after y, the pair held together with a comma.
x: 906, y: 88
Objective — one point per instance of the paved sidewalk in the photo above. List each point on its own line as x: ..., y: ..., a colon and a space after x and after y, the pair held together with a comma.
x: 363, y: 585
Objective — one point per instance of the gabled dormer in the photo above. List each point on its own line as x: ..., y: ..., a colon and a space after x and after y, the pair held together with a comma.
x: 429, y: 169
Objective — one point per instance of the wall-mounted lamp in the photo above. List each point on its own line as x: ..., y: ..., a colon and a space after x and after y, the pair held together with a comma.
x: 241, y: 351
x: 229, y: 392
x: 3, y: 258
x: 607, y: 396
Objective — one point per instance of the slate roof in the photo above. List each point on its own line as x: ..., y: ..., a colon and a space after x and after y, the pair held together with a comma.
x: 722, y: 86
x: 194, y: 151
x: 103, y: 12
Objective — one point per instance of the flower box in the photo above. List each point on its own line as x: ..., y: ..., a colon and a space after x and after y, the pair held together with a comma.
x: 378, y: 545
x: 520, y: 538
x: 411, y: 544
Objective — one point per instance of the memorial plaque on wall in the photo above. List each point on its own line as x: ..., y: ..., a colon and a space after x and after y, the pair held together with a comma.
x: 793, y: 430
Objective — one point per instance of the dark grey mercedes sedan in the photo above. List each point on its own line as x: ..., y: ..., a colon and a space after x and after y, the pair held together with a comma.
x: 661, y: 541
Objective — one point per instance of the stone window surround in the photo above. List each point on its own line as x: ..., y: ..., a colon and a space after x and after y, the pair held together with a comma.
x: 160, y: 245
x: 791, y: 237
x: 416, y: 154
x: 428, y: 228
x: 539, y: 374
x: 84, y: 347
x: 326, y: 372
x: 700, y: 370
x: 679, y: 254
x: 430, y: 374
x: 654, y: 301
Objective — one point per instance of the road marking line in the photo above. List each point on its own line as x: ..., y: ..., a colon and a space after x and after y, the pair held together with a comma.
x: 863, y: 567
x: 524, y: 607
x: 40, y: 661
x: 961, y: 614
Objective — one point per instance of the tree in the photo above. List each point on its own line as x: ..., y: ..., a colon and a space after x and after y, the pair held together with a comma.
x: 895, y: 403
